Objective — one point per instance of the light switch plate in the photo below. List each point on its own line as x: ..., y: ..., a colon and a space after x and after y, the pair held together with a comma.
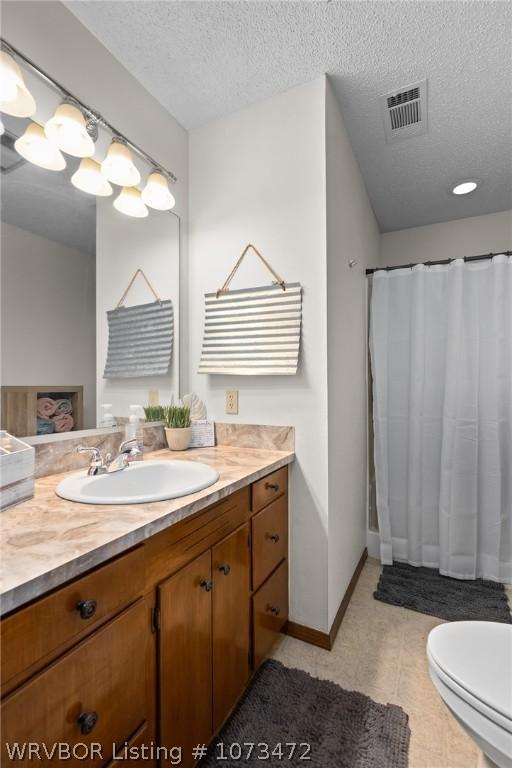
x: 153, y: 397
x: 232, y: 401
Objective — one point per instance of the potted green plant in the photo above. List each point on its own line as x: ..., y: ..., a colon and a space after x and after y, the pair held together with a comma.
x: 177, y: 427
x: 154, y: 413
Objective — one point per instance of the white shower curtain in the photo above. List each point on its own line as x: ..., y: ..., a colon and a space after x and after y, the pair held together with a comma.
x: 441, y: 354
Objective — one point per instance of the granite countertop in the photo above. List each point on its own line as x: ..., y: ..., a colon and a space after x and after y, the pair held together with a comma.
x: 47, y: 540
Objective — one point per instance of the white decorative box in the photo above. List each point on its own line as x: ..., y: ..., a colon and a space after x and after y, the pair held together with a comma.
x: 17, y: 466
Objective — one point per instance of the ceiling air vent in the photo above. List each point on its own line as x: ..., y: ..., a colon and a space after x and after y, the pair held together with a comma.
x: 405, y: 111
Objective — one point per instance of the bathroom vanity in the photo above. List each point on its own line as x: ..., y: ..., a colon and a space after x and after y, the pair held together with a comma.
x: 156, y: 644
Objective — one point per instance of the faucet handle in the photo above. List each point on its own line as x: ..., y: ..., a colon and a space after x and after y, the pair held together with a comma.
x: 127, y: 446
x: 131, y: 447
x: 89, y: 449
x: 96, y: 465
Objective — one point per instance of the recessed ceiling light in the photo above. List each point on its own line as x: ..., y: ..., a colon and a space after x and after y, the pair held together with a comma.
x: 465, y: 187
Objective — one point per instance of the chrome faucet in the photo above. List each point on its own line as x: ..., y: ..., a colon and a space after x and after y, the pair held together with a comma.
x: 103, y: 465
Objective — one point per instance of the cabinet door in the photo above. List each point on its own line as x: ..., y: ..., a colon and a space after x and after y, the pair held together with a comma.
x: 91, y: 698
x: 185, y: 655
x: 231, y: 567
x: 270, y: 612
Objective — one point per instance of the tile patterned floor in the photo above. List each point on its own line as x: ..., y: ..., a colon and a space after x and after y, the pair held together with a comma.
x: 380, y: 651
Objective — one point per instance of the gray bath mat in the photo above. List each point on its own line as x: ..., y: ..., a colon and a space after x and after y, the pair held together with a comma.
x: 331, y: 727
x: 426, y: 591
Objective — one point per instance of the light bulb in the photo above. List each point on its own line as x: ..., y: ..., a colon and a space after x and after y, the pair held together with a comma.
x: 156, y: 193
x: 35, y: 147
x: 465, y: 187
x: 67, y: 131
x: 15, y: 98
x: 89, y: 179
x: 130, y: 203
x: 118, y: 166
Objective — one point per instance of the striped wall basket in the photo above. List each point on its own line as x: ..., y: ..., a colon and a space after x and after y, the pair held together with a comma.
x: 140, y: 337
x: 253, y: 331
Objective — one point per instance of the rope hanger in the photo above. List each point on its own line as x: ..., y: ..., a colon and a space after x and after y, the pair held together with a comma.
x: 225, y: 287
x: 125, y: 294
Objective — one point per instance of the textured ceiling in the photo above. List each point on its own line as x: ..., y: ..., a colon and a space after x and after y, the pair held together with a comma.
x: 202, y: 60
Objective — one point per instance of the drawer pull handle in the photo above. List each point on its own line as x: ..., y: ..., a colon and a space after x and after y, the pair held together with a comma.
x: 225, y: 568
x: 274, y: 610
x: 273, y: 537
x: 87, y: 721
x: 272, y: 486
x: 206, y: 584
x: 86, y: 608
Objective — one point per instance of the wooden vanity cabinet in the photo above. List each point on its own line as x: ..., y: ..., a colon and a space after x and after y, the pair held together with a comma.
x: 178, y: 626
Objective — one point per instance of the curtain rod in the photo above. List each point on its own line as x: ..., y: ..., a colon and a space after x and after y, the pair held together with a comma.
x: 481, y: 257
x: 90, y: 113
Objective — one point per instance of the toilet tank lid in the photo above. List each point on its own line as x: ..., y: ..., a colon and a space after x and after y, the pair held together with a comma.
x: 477, y: 655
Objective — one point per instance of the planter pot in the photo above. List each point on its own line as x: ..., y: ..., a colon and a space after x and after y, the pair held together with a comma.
x: 178, y: 439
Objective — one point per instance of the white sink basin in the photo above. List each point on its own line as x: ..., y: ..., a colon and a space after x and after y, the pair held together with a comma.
x: 140, y: 482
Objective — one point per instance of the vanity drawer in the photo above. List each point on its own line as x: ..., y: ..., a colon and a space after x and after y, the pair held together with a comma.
x: 269, y: 488
x: 95, y: 694
x: 269, y: 613
x: 66, y: 615
x: 269, y: 539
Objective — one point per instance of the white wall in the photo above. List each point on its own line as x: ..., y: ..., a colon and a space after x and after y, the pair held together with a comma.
x: 123, y: 245
x: 49, y: 34
x: 448, y: 240
x: 259, y: 176
x: 48, y: 317
x: 352, y: 233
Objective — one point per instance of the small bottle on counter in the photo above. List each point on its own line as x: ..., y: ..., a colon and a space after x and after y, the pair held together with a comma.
x: 107, y: 417
x: 134, y: 430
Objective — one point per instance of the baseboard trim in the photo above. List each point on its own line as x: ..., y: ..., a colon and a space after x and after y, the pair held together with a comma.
x: 308, y: 635
x: 346, y: 598
x: 326, y: 640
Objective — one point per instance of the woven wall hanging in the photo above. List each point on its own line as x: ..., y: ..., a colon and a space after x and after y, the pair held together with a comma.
x: 140, y: 338
x: 252, y: 331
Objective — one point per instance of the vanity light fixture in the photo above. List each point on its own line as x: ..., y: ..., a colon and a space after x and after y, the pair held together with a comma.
x: 118, y: 166
x: 2, y: 128
x: 15, y: 98
x: 68, y: 131
x: 157, y: 194
x: 465, y: 187
x: 35, y: 147
x: 130, y: 203
x: 74, y: 129
x: 89, y: 179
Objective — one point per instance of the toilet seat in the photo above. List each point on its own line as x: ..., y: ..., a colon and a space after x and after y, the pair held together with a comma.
x: 477, y: 657
x: 474, y: 701
x: 471, y: 667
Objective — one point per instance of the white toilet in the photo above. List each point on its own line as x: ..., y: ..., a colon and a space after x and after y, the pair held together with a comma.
x: 471, y: 666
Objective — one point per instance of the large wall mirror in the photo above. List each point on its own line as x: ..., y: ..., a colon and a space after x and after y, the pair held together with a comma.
x: 66, y: 259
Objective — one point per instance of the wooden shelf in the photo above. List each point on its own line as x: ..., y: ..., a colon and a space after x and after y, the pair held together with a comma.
x: 19, y: 406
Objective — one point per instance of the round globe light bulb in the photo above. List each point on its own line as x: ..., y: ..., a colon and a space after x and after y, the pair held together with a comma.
x: 35, y: 147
